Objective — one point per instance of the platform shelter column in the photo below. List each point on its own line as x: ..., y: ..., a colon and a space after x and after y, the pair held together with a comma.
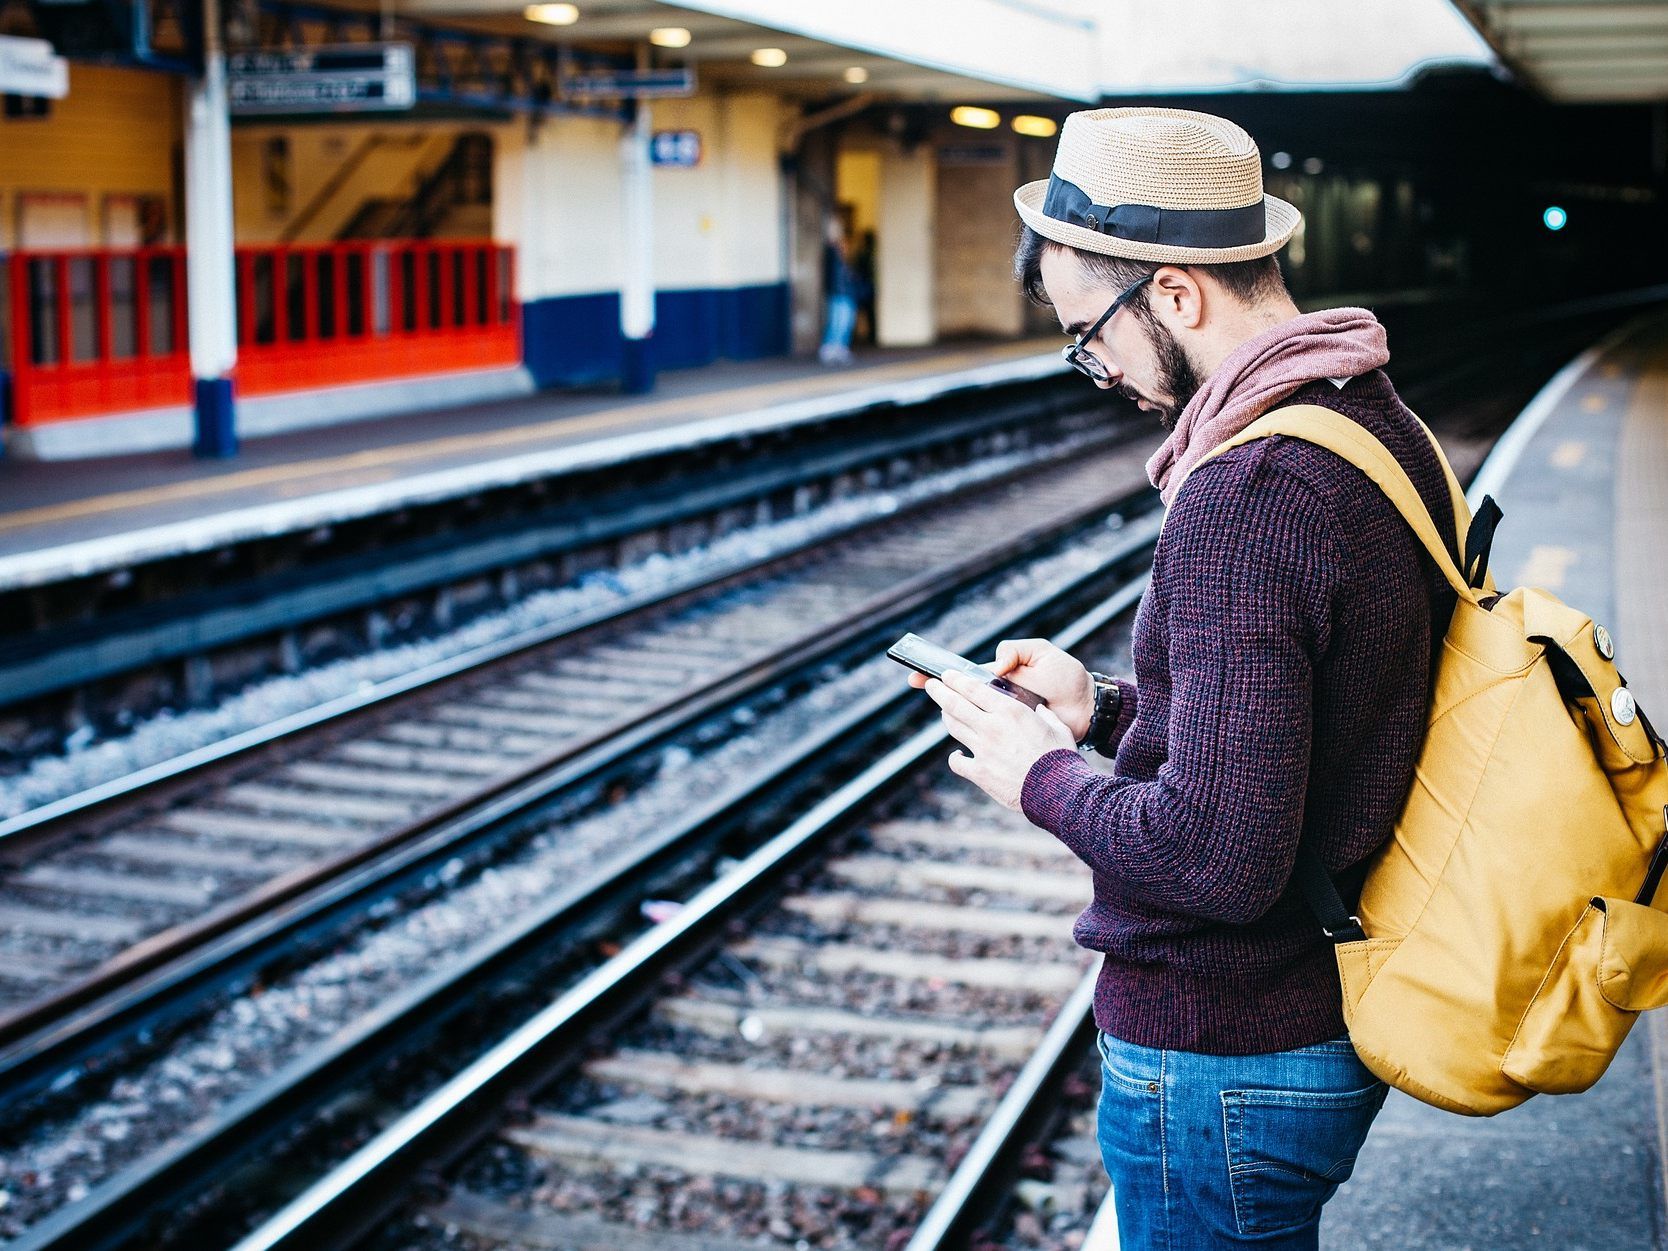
x: 637, y: 287
x: 211, y: 299
x: 905, y: 253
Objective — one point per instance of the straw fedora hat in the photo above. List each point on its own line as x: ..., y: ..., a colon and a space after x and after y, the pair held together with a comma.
x: 1157, y: 185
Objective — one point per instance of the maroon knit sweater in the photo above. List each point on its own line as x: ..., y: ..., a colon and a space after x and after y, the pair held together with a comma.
x: 1283, y: 654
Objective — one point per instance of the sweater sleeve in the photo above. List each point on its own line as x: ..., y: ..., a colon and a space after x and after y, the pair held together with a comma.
x: 1247, y: 569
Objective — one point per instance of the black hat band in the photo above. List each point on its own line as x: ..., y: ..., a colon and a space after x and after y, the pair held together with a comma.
x: 1145, y: 223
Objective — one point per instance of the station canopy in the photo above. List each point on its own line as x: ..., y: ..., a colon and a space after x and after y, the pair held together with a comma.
x: 1068, y: 50
x: 1576, y: 51
x: 948, y: 50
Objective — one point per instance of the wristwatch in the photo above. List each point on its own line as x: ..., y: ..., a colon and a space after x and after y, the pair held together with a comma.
x: 1109, y: 702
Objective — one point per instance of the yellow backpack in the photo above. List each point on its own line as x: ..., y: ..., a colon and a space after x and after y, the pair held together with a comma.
x: 1507, y: 934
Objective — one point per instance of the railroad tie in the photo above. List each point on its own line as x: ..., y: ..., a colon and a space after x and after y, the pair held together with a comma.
x: 716, y: 1019
x: 579, y: 1141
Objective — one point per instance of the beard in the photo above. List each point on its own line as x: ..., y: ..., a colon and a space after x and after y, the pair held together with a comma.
x: 1176, y: 376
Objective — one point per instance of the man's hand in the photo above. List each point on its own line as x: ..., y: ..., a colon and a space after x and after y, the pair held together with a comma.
x: 1038, y: 665
x: 1005, y: 737
x: 1043, y: 669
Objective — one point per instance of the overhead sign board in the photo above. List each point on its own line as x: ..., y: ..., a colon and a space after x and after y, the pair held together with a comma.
x: 29, y: 67
x: 637, y: 84
x: 337, y: 78
x: 678, y: 148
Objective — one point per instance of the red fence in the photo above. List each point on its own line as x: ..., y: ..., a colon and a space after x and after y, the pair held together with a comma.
x: 104, y: 331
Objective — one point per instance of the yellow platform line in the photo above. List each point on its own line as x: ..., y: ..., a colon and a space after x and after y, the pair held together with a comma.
x: 718, y: 403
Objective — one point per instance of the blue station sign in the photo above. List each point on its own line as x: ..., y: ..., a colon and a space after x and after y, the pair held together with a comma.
x: 680, y: 149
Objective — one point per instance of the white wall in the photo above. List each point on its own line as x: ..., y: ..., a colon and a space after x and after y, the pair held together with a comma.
x: 557, y: 197
x: 904, y: 249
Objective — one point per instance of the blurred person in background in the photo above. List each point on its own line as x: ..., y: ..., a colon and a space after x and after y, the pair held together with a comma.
x: 864, y: 264
x: 839, y: 285
x: 1282, y: 656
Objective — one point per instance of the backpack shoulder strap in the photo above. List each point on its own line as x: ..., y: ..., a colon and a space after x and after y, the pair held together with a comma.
x: 1456, y: 493
x: 1350, y: 440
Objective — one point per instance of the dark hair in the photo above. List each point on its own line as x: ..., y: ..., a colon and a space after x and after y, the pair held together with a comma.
x: 1247, y: 281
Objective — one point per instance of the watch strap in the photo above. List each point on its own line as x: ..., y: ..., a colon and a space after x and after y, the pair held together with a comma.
x: 1103, y: 716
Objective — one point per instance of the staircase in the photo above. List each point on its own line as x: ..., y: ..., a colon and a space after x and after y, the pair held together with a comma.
x: 454, y: 200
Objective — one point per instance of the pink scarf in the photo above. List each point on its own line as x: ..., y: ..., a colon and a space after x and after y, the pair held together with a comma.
x: 1258, y: 374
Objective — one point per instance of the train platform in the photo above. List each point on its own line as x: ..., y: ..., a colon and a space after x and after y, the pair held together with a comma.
x: 65, y: 519
x: 1582, y: 478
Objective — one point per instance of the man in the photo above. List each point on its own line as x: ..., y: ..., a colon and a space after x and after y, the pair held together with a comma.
x: 1282, y: 658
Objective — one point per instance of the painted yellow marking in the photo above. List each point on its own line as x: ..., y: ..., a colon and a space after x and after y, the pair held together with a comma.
x: 1546, y: 567
x: 620, y: 419
x: 1569, y: 454
x: 1594, y: 401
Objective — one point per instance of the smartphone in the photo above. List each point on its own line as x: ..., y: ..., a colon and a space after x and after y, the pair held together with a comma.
x: 929, y: 658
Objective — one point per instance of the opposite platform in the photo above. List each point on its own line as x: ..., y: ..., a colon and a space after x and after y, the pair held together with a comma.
x: 1583, y: 481
x: 68, y: 519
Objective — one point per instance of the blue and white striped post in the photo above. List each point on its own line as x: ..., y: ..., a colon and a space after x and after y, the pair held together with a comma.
x: 637, y: 288
x: 211, y: 296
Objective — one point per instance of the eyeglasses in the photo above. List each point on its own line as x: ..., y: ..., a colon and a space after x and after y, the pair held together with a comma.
x: 1077, y: 353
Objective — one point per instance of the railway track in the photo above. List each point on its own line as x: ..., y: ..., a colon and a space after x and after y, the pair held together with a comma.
x: 109, y: 889
x: 841, y: 1043
x: 620, y: 868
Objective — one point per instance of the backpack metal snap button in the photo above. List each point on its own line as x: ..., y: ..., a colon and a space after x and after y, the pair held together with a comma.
x: 1622, y: 706
x: 1602, y: 640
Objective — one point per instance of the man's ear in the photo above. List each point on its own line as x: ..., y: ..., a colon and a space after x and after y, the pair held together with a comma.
x: 1178, y: 296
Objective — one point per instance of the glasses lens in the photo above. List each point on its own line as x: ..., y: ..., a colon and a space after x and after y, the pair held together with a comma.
x: 1084, y: 362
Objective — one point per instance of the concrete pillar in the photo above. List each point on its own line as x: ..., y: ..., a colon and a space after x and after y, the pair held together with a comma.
x: 637, y: 288
x: 211, y: 297
x: 904, y: 249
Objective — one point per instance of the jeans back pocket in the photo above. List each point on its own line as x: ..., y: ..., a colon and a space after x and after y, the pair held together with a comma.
x: 1288, y: 1150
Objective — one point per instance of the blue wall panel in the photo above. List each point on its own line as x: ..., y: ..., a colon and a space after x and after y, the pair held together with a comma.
x: 574, y: 340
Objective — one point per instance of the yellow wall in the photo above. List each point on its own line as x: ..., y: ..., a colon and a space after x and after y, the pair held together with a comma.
x: 857, y: 182
x: 118, y: 132
x: 375, y: 161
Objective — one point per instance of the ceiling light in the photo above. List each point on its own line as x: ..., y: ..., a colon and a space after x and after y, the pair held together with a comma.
x: 857, y: 74
x: 979, y: 119
x: 1031, y: 124
x: 669, y: 37
x: 770, y: 58
x: 552, y: 14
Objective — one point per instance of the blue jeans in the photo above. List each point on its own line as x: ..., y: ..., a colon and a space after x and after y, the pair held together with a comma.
x: 1229, y: 1151
x: 842, y: 316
